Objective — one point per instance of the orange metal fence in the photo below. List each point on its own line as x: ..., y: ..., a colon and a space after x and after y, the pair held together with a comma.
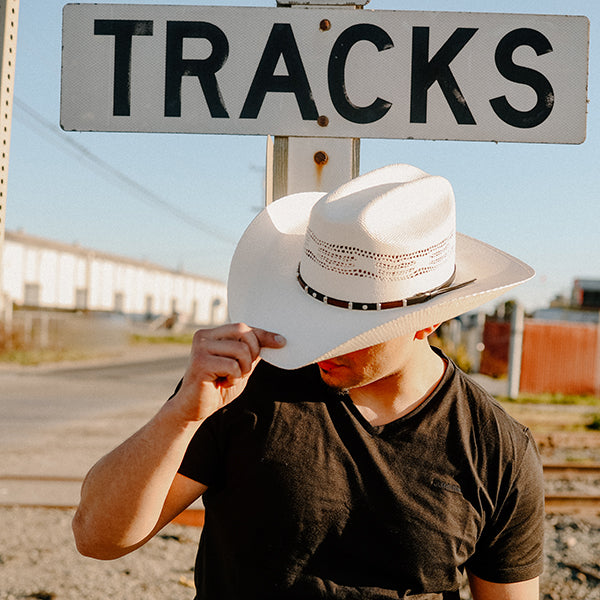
x: 558, y: 356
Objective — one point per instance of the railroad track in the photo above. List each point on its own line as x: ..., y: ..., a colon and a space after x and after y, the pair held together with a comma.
x: 566, y: 503
x: 571, y: 470
x: 572, y: 503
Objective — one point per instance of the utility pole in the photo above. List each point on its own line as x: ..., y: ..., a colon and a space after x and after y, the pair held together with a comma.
x: 9, y: 17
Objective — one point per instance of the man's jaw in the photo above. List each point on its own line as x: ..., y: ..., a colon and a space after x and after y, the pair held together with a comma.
x: 327, y: 369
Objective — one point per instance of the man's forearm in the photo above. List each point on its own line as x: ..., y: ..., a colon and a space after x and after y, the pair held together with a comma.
x: 123, y: 494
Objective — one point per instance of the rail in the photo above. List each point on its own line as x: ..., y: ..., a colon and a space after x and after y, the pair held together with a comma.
x: 563, y: 503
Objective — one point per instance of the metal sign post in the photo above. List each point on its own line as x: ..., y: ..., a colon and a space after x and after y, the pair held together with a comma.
x: 9, y: 17
x: 311, y: 164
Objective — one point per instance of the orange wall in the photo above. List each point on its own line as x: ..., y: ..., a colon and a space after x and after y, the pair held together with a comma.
x: 558, y: 357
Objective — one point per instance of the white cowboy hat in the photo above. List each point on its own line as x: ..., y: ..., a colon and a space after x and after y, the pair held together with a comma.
x: 375, y: 259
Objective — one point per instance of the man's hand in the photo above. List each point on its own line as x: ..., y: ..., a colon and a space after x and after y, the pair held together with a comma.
x: 221, y: 361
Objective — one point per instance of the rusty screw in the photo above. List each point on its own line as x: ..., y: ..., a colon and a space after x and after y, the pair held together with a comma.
x: 325, y: 25
x: 322, y: 121
x: 321, y: 157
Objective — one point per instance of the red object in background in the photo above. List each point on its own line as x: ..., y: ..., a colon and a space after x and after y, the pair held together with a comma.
x: 558, y: 356
x: 496, y: 341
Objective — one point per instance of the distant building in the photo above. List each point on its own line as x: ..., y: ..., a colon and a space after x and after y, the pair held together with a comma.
x: 44, y: 274
x: 583, y: 306
x: 586, y: 293
x: 566, y: 314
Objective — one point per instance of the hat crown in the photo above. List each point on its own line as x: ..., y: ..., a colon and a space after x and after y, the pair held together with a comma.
x: 381, y: 237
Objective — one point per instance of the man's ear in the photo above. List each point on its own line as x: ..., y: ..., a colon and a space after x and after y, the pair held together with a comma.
x: 425, y: 333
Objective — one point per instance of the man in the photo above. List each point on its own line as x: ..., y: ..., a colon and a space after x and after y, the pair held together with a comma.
x: 356, y: 462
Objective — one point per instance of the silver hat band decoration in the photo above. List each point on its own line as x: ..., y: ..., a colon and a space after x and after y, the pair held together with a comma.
x: 416, y: 299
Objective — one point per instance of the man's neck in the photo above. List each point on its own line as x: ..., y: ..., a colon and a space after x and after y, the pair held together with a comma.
x: 401, y: 392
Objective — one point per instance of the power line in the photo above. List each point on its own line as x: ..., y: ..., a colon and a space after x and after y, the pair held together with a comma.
x: 111, y: 173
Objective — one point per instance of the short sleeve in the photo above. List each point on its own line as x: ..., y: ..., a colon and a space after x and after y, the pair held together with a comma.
x: 511, y: 546
x: 200, y: 461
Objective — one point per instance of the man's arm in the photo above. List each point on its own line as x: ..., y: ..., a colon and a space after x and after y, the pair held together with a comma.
x: 135, y: 490
x: 486, y: 590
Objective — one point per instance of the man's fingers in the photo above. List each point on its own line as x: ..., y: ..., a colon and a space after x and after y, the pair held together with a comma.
x: 250, y: 339
x: 224, y: 357
x: 254, y: 337
x: 241, y: 331
x: 226, y: 371
x: 246, y: 348
x: 231, y: 351
x: 268, y: 339
x: 237, y: 351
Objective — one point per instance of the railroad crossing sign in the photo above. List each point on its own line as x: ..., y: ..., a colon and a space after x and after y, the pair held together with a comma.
x: 320, y: 72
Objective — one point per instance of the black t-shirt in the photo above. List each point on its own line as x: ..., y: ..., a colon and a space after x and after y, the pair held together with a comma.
x: 307, y: 500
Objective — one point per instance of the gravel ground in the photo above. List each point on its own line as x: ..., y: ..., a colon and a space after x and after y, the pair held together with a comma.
x: 38, y: 560
x: 571, y: 570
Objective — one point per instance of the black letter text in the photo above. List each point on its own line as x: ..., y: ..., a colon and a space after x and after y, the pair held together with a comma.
x: 123, y: 32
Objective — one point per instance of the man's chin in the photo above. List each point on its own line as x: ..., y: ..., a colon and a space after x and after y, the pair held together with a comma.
x: 333, y: 383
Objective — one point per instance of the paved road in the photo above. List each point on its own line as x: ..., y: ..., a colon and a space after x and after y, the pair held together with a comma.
x: 32, y: 400
x: 56, y: 422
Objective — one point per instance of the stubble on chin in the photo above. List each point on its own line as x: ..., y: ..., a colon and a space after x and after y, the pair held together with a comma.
x: 338, y: 389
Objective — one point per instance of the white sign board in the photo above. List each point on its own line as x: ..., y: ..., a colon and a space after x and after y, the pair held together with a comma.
x: 322, y: 72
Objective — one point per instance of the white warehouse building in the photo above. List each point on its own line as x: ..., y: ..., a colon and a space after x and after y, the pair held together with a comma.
x: 44, y: 274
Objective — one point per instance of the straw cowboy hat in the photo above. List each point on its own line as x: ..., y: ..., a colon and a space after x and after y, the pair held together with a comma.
x: 375, y: 259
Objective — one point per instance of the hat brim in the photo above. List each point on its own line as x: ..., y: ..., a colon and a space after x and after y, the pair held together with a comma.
x: 263, y: 290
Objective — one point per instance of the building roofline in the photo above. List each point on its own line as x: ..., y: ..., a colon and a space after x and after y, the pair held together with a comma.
x: 32, y: 240
x: 588, y: 284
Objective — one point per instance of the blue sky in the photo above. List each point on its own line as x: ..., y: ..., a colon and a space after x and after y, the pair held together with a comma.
x: 540, y: 202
